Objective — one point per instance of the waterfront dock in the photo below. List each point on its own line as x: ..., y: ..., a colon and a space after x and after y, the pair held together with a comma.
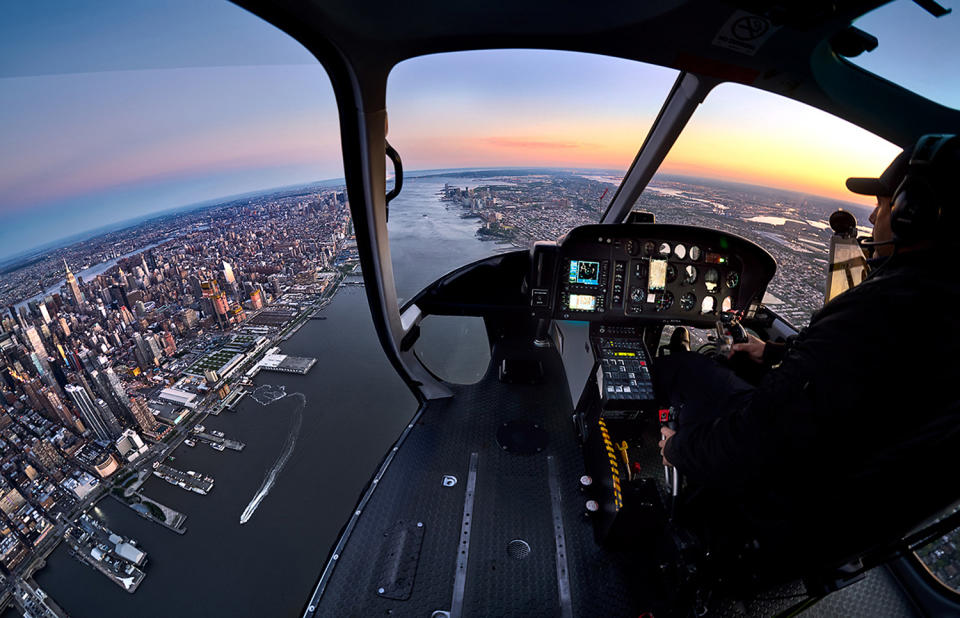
x: 189, y: 480
x: 172, y: 520
x: 231, y: 401
x: 234, y: 445
x: 118, y: 558
x: 287, y: 364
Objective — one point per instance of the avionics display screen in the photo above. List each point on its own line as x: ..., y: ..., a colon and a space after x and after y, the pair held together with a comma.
x: 587, y: 273
x: 583, y: 302
x: 658, y: 275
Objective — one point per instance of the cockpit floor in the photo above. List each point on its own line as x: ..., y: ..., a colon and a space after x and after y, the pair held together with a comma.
x: 413, y: 535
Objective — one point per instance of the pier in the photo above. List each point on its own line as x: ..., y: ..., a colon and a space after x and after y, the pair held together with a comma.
x: 148, y: 508
x: 234, y: 445
x: 189, y: 480
x: 116, y: 557
x: 287, y: 364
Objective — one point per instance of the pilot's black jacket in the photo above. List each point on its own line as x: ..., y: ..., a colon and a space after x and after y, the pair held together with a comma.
x: 854, y: 437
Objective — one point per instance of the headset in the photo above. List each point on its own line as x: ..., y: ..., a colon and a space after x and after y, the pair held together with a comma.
x: 918, y: 205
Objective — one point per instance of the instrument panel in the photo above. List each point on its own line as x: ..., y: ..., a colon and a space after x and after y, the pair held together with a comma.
x: 664, y: 273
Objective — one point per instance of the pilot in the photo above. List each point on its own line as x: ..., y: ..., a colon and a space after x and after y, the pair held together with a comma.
x: 846, y: 442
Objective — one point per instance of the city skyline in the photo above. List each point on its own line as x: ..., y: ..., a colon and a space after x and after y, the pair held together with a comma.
x: 105, y: 121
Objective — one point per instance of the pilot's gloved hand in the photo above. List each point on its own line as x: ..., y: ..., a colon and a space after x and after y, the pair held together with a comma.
x: 665, y: 434
x: 753, y: 348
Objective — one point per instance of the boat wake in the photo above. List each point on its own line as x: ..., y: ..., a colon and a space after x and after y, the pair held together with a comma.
x: 265, y: 395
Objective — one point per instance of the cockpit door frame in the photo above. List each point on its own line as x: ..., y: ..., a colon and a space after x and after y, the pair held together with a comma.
x: 688, y: 92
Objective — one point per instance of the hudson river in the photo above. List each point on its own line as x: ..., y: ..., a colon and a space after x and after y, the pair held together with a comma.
x: 356, y: 406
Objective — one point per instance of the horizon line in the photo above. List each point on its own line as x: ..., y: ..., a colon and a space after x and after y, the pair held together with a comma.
x: 125, y: 224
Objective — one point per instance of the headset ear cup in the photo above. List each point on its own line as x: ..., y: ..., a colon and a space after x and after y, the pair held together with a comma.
x: 901, y: 219
x: 915, y: 211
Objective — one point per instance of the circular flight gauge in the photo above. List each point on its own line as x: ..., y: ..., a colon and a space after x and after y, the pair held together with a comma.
x: 671, y: 273
x: 694, y: 253
x: 637, y: 295
x: 712, y: 279
x: 689, y: 274
x: 726, y: 305
x: 733, y: 280
x: 664, y: 249
x: 648, y: 247
x: 680, y: 251
x: 688, y: 301
x: 665, y: 302
x: 708, y: 305
x: 632, y: 247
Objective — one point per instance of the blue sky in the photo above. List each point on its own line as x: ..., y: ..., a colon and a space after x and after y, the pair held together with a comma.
x: 114, y: 110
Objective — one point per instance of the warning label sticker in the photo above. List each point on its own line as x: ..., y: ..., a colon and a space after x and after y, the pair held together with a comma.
x: 744, y: 32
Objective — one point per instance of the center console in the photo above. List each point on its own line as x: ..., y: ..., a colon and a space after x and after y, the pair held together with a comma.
x: 627, y: 281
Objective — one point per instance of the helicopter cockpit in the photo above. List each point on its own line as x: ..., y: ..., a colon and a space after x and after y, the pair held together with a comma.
x: 539, y: 489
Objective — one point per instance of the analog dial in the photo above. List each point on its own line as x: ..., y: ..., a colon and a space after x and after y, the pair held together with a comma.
x: 711, y: 279
x: 694, y: 253
x: 733, y: 279
x: 688, y: 301
x: 665, y: 302
x: 664, y: 249
x: 648, y: 248
x: 709, y: 305
x: 726, y: 305
x: 689, y: 274
x: 671, y: 273
x: 636, y: 295
x: 680, y: 251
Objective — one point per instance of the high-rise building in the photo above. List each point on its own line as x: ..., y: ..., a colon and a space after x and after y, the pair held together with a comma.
x: 143, y: 416
x: 228, y: 273
x: 169, y: 344
x: 73, y: 286
x: 35, y: 342
x: 255, y: 300
x: 95, y: 414
x: 209, y: 288
x: 130, y: 445
x: 220, y: 304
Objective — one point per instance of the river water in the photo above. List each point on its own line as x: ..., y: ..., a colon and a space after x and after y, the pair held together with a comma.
x: 312, y: 441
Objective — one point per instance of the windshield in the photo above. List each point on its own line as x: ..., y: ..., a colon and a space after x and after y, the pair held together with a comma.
x: 916, y: 50
x: 503, y: 148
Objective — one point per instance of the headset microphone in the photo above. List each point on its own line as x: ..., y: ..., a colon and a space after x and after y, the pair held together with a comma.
x: 864, y: 242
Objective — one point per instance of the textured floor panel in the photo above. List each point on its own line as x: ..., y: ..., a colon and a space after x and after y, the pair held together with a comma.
x: 877, y: 595
x: 512, y: 501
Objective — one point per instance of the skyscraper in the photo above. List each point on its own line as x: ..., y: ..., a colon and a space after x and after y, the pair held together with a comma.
x: 74, y: 288
x: 95, y: 414
x: 35, y: 342
x: 228, y: 273
x: 142, y: 414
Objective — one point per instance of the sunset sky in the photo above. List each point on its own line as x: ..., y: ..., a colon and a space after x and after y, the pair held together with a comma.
x: 115, y: 110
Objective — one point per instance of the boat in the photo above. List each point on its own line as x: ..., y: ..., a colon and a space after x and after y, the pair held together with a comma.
x: 189, y: 442
x: 217, y: 446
